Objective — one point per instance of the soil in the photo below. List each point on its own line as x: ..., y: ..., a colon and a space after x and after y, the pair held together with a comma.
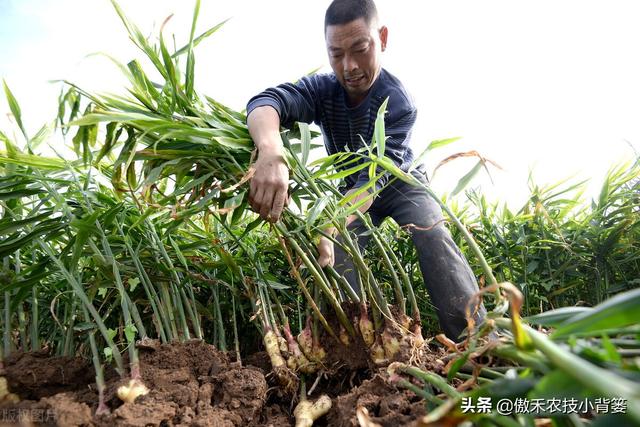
x: 193, y: 384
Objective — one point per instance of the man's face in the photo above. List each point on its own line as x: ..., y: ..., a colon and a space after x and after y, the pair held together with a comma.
x: 354, y: 53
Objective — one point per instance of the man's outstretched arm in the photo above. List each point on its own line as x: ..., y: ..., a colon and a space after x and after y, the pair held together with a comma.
x: 269, y: 185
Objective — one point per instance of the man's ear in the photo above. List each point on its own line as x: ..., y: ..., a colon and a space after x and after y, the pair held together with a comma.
x: 384, y: 32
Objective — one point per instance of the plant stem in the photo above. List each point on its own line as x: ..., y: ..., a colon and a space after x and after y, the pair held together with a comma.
x: 222, y: 342
x: 7, y: 324
x: 35, y: 336
x: 433, y: 379
x: 305, y: 291
x: 97, y: 366
x: 323, y: 286
x: 590, y: 375
x: 419, y: 392
x: 236, y: 340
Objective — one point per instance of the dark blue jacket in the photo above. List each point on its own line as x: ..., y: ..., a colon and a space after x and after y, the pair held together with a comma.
x: 322, y: 100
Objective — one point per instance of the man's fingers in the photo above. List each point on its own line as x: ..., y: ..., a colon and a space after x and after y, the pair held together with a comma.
x: 252, y: 193
x: 266, y: 204
x: 326, y: 260
x: 278, y: 204
x: 256, y: 200
x: 325, y: 252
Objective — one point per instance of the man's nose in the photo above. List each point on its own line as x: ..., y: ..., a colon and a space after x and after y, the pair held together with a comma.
x: 349, y: 63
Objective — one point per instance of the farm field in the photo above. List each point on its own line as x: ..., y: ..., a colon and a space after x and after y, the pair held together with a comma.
x: 138, y: 288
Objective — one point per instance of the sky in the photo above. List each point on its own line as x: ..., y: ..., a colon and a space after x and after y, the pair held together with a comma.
x: 549, y: 86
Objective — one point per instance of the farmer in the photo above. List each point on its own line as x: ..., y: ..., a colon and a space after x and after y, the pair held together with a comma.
x: 344, y: 104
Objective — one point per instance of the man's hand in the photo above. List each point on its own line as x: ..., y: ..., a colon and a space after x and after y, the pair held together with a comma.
x: 326, y: 256
x: 268, y: 188
x: 363, y: 208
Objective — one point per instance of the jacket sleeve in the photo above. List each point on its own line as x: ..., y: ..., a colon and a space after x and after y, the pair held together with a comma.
x: 294, y: 102
x: 398, y: 129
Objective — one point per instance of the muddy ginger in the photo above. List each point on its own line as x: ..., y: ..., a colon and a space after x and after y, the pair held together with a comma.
x: 318, y: 354
x: 366, y: 326
x: 307, y: 412
x: 134, y: 388
x: 5, y: 395
x: 344, y: 336
x: 286, y: 377
x: 297, y: 360
x: 377, y: 352
x: 305, y: 340
x: 390, y: 344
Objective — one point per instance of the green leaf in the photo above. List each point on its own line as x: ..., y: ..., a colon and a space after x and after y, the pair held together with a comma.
x: 389, y: 166
x: 316, y: 210
x: 43, y: 134
x: 442, y: 142
x: 618, y: 311
x: 190, y: 76
x: 84, y: 326
x: 108, y: 354
x: 305, y: 139
x: 140, y: 40
x: 252, y: 225
x: 9, y: 246
x: 133, y: 283
x: 556, y: 317
x: 277, y: 286
x: 184, y: 49
x: 178, y: 253
x: 341, y: 174
x: 110, y: 139
x: 130, y: 332
x: 365, y: 188
x: 379, y: 134
x: 111, y: 333
x: 18, y: 194
x: 610, y: 349
x: 433, y: 145
x: 15, y: 108
x: 558, y: 384
x: 464, y: 181
x: 328, y: 160
x: 455, y: 367
x: 532, y: 266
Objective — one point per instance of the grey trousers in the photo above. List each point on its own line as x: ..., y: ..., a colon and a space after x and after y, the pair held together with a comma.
x: 446, y: 273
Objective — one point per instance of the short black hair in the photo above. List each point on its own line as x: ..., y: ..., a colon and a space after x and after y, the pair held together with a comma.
x: 344, y: 11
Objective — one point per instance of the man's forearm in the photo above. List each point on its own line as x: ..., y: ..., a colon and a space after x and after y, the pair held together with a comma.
x: 269, y: 184
x: 264, y: 127
x: 363, y: 208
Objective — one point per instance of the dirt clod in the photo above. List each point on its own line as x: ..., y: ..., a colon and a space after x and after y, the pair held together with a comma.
x: 194, y: 384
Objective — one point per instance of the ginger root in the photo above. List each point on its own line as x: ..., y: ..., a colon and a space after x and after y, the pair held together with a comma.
x: 307, y: 412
